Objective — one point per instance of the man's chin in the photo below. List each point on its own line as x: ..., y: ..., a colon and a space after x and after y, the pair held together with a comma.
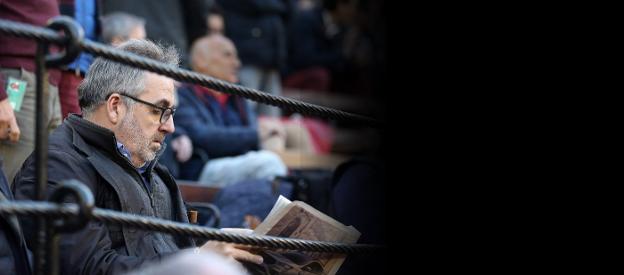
x: 155, y: 146
x: 151, y: 154
x: 149, y: 157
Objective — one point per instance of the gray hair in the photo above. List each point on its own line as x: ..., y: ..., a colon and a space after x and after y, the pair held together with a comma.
x: 119, y: 24
x: 106, y: 76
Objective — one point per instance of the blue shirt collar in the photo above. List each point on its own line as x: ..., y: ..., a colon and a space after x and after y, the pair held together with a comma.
x: 122, y: 149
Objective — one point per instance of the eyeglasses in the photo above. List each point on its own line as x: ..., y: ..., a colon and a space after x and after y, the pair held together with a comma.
x: 165, y: 113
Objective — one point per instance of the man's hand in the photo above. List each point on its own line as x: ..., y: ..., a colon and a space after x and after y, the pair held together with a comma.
x: 183, y: 147
x: 270, y: 127
x: 272, y: 134
x: 8, y: 124
x: 233, y: 251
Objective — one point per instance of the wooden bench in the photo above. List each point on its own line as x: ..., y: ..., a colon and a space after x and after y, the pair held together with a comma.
x: 195, y: 192
x: 198, y: 197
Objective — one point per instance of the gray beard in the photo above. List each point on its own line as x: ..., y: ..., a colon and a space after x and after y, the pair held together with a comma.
x: 135, y: 138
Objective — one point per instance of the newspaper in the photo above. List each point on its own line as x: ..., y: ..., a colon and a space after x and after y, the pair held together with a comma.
x: 300, y: 220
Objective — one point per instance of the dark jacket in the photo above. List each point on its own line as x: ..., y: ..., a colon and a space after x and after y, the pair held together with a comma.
x: 18, y: 52
x: 216, y: 131
x: 13, y: 253
x: 257, y: 29
x: 81, y: 150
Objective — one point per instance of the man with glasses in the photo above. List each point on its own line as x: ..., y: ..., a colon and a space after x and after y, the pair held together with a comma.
x: 114, y: 149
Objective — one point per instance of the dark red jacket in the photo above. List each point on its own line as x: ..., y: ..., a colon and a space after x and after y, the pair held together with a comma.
x: 20, y: 52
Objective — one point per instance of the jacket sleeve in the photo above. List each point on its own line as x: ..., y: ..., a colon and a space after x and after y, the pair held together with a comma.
x: 216, y: 140
x: 87, y: 251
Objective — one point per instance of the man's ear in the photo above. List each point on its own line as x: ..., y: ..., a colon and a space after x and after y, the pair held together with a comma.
x: 115, y: 109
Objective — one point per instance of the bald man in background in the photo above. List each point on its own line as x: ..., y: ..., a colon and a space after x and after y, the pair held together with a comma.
x: 222, y: 127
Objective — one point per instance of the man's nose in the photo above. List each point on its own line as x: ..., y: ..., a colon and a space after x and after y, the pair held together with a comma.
x: 168, y: 127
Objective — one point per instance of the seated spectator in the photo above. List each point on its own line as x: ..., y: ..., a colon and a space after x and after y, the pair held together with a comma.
x: 171, y: 22
x: 222, y: 127
x: 114, y: 150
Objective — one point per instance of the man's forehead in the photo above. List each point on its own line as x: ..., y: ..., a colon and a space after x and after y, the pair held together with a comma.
x: 158, y: 77
x: 160, y: 88
x: 153, y: 79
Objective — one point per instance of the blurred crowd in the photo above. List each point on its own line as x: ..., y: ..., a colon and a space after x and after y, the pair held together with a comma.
x: 321, y: 48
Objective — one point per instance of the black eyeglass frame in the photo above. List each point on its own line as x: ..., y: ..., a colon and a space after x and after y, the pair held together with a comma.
x: 163, y: 110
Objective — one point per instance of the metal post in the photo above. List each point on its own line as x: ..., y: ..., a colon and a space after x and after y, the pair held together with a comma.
x: 52, y: 249
x: 41, y: 155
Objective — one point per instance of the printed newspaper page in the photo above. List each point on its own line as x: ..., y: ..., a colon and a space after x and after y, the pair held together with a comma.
x: 301, y: 221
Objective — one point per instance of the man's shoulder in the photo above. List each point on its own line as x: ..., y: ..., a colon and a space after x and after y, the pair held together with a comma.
x: 61, y: 135
x: 63, y: 152
x: 63, y: 163
x: 61, y: 142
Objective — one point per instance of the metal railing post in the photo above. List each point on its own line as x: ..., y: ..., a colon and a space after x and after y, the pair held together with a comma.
x: 41, y: 154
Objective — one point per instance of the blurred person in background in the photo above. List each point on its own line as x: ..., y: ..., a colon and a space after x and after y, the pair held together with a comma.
x: 84, y: 12
x: 17, y: 117
x: 172, y: 22
x: 17, y: 84
x: 222, y: 127
x: 215, y: 21
x: 119, y: 27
